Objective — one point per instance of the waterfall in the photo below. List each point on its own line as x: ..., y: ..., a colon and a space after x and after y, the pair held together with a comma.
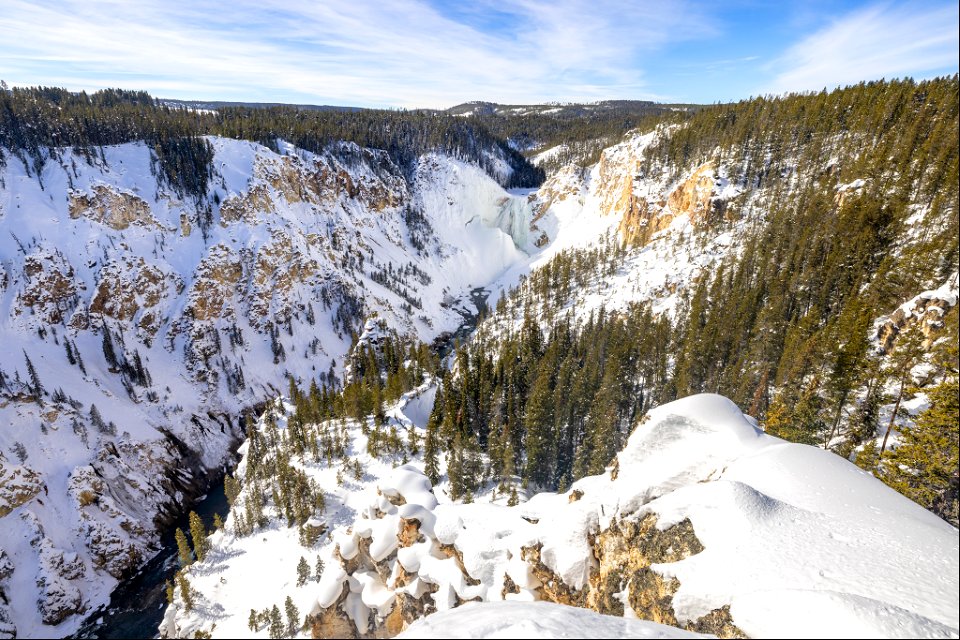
x: 513, y: 218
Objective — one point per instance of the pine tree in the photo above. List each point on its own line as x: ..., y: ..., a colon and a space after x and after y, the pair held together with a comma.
x: 318, y: 569
x: 186, y: 593
x: 905, y: 356
x: 303, y: 572
x: 924, y: 466
x: 183, y: 548
x: 198, y: 534
x: 293, y: 617
x: 252, y: 621
x: 109, y: 354
x: 36, y: 388
x: 431, y: 451
x: 76, y: 352
x: 538, y: 422
x: 231, y: 489
x: 277, y: 630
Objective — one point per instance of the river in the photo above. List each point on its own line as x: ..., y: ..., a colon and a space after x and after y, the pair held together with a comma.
x: 137, y: 604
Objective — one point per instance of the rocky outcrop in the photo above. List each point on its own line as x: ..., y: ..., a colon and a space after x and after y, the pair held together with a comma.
x: 18, y: 485
x: 249, y: 207
x: 627, y: 188
x: 695, y: 197
x: 319, y: 181
x: 387, y: 575
x: 57, y: 570
x: 615, y: 174
x: 567, y: 183
x: 217, y: 280
x: 383, y: 588
x: 111, y: 207
x: 50, y: 289
x: 626, y: 552
x: 7, y: 628
x: 624, y: 577
x: 924, y: 313
x: 130, y: 291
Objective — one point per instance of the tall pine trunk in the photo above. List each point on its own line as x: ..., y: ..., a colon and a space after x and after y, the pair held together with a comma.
x: 893, y: 417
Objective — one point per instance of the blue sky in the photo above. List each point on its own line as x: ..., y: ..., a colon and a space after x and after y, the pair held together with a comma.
x: 435, y: 53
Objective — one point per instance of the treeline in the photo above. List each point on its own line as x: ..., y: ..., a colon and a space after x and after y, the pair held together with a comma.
x: 405, y: 135
x: 902, y: 132
x: 36, y: 121
x: 549, y: 409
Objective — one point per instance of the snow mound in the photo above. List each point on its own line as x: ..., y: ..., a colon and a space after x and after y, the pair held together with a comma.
x: 773, y: 518
x: 535, y: 620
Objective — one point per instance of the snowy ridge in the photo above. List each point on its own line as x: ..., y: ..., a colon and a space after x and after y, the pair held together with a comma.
x: 770, y: 537
x: 926, y: 309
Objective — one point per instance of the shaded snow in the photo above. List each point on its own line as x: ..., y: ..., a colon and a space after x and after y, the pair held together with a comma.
x: 535, y: 620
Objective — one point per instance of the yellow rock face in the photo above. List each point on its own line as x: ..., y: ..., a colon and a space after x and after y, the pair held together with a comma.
x: 113, y: 208
x: 129, y: 286
x: 217, y: 279
x: 18, y: 485
x: 317, y: 183
x: 694, y: 197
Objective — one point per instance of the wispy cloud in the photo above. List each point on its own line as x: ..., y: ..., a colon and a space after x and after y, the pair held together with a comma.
x: 880, y: 41
x: 398, y: 53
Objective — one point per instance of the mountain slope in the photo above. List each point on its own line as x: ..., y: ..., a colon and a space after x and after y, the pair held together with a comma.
x: 143, y: 324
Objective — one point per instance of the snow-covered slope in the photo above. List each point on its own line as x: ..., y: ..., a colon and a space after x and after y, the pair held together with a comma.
x: 666, y: 231
x: 209, y: 305
x: 703, y: 522
x: 535, y: 620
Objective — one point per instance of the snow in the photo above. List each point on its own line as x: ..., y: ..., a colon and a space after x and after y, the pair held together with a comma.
x: 286, y: 249
x: 796, y: 541
x: 851, y: 186
x: 784, y: 526
x: 776, y: 518
x: 948, y: 292
x: 582, y: 209
x: 535, y: 620
x: 549, y: 154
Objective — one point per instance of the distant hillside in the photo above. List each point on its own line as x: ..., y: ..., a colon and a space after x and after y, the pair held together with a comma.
x: 213, y: 105
x: 556, y: 134
x: 569, y: 110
